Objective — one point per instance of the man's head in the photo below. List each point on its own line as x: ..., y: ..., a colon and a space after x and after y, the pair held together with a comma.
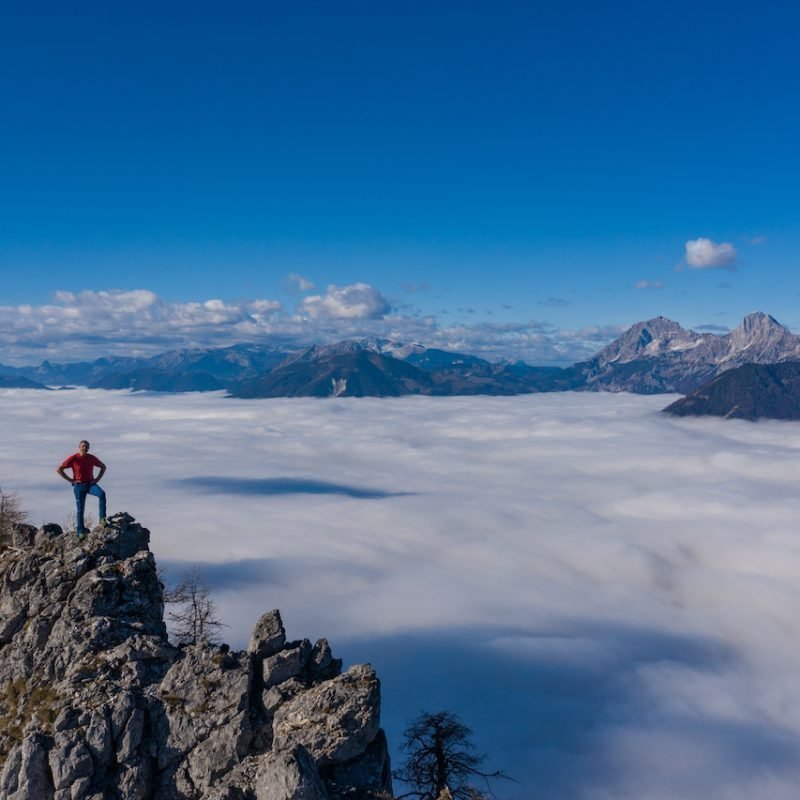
x: 83, y: 447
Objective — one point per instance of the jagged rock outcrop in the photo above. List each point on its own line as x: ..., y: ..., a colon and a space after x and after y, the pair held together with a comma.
x: 96, y: 704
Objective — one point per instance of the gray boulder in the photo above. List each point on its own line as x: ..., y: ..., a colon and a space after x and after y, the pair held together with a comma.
x: 289, y: 775
x: 334, y: 720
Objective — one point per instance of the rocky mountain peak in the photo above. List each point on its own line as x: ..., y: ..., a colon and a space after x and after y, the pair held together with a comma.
x: 645, y: 339
x: 97, y: 704
x: 758, y: 324
x: 662, y: 325
x: 762, y: 339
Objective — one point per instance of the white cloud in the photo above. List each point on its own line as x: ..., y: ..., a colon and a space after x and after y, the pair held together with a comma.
x: 115, y: 302
x: 703, y: 253
x: 357, y: 301
x: 298, y: 282
x: 91, y: 324
x: 648, y: 285
x: 588, y: 582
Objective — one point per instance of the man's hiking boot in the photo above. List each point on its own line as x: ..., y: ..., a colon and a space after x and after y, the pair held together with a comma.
x: 81, y: 534
x: 103, y: 522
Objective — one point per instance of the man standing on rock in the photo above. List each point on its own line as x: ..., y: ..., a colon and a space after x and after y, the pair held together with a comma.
x: 84, y: 482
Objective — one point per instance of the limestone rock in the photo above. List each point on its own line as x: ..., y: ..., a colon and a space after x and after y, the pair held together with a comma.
x: 371, y: 770
x: 268, y: 637
x: 26, y: 775
x: 288, y: 663
x: 335, y: 720
x: 96, y: 703
x: 289, y: 775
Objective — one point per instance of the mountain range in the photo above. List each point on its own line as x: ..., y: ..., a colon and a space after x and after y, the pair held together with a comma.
x: 651, y: 357
x: 660, y: 356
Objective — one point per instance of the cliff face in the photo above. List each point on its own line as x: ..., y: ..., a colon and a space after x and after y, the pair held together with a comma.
x: 95, y: 703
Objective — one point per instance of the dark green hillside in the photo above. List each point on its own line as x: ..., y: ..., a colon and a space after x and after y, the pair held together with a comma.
x: 752, y: 391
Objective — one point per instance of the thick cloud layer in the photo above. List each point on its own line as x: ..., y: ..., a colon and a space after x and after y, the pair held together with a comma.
x: 607, y: 595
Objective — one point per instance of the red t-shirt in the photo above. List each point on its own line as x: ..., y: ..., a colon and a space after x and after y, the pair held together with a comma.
x: 82, y: 467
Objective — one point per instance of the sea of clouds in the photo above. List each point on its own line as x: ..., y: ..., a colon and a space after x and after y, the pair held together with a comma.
x: 607, y: 595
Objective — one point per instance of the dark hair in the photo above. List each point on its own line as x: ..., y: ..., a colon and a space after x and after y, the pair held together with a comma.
x: 84, y: 441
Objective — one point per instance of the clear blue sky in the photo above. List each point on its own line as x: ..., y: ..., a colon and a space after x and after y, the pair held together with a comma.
x: 503, y: 162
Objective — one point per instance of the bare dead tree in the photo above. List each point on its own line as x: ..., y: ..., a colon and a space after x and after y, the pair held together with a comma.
x: 441, y: 758
x: 11, y: 514
x: 195, y: 618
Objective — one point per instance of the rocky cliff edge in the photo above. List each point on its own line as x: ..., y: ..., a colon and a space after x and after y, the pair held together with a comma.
x: 96, y: 704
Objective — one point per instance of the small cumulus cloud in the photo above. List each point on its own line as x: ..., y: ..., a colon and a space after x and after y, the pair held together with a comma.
x: 704, y: 253
x: 356, y: 301
x: 756, y: 240
x: 296, y: 282
x: 648, y: 285
x: 554, y: 302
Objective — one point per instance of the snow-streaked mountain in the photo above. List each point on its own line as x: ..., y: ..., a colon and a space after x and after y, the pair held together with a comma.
x: 649, y: 339
x: 761, y: 339
x: 660, y: 356
x: 387, y: 347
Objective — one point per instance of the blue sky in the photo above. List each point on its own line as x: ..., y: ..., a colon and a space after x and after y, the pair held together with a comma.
x: 521, y: 164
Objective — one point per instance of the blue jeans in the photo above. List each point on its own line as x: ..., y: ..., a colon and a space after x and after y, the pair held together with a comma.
x: 81, y: 490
